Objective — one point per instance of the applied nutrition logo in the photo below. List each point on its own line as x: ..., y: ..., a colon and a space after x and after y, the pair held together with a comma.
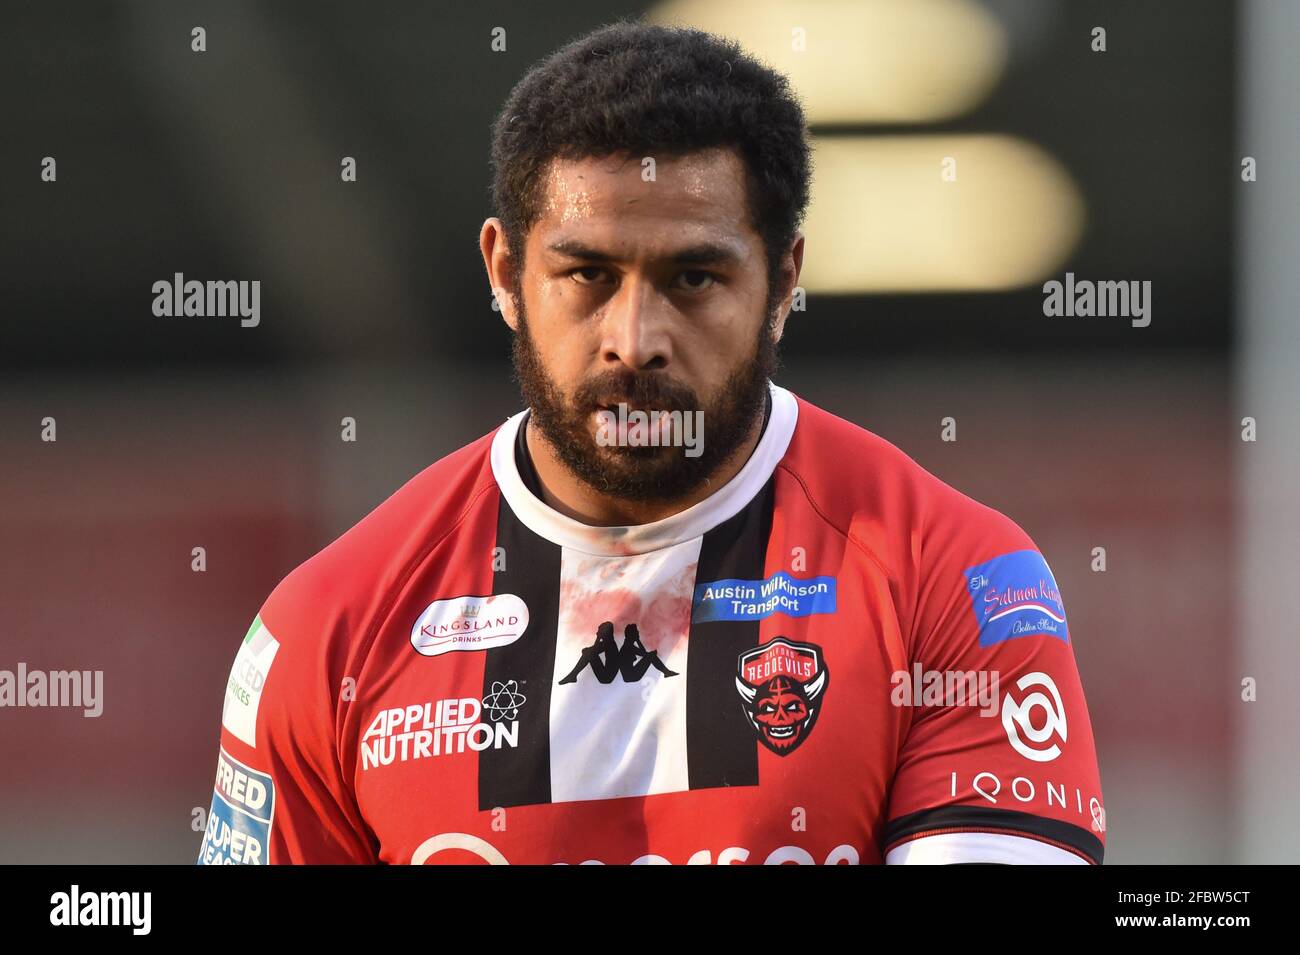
x: 400, y: 734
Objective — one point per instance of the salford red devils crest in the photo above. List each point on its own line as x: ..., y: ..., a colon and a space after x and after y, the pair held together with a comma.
x: 781, y: 685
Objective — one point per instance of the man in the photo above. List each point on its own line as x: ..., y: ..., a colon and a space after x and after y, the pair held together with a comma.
x: 444, y: 683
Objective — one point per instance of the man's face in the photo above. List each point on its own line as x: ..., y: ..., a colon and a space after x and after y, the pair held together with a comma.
x: 652, y: 294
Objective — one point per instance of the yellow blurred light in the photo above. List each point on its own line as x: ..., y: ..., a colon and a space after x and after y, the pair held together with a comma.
x: 883, y: 219
x: 879, y: 61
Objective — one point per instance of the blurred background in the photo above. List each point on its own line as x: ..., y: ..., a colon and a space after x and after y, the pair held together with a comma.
x: 925, y: 301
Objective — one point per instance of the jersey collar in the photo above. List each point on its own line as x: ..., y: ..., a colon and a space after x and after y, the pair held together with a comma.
x: 719, y: 506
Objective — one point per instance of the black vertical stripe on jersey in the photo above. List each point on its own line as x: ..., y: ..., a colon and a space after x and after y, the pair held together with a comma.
x: 721, y: 748
x: 522, y: 776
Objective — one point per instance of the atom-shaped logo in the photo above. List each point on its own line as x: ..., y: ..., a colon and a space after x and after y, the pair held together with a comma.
x: 504, y: 701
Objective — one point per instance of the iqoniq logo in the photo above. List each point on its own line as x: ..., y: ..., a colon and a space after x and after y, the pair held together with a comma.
x: 1035, y: 743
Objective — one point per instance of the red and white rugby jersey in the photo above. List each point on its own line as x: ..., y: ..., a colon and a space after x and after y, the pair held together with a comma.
x: 467, y: 675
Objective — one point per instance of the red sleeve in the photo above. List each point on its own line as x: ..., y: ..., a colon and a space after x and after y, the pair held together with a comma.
x: 998, y: 763
x: 280, y: 795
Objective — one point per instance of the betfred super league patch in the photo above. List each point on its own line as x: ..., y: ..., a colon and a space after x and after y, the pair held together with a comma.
x: 1015, y: 595
x: 781, y: 684
x: 239, y: 822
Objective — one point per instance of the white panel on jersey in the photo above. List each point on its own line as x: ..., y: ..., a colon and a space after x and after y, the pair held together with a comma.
x: 964, y: 847
x: 621, y: 738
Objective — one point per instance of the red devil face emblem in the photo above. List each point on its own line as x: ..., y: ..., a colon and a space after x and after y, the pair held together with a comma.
x: 781, y: 684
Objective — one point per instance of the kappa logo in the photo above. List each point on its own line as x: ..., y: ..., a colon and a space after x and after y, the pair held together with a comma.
x: 607, y: 659
x: 781, y: 684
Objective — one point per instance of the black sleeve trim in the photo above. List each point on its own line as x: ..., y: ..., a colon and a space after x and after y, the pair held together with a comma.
x: 985, y: 819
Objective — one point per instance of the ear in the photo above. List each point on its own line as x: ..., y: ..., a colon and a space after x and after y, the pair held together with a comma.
x: 500, y: 268
x: 790, y: 270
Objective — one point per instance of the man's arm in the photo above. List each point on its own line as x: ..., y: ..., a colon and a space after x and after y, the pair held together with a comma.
x: 280, y: 795
x: 1012, y: 778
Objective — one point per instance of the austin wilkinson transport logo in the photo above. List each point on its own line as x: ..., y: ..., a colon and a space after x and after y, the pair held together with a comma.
x: 469, y: 623
x: 781, y: 684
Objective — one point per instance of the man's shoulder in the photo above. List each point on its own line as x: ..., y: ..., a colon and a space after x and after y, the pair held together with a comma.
x: 878, y: 494
x: 353, y: 576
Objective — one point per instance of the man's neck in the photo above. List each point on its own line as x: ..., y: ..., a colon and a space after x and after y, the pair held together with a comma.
x: 564, y: 492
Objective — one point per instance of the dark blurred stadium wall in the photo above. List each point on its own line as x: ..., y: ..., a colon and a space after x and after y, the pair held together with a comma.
x: 179, y: 433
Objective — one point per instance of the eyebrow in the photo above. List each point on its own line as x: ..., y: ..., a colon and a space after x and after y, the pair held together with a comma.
x: 704, y: 253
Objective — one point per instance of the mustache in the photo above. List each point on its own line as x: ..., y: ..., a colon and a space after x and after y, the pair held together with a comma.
x: 648, y: 390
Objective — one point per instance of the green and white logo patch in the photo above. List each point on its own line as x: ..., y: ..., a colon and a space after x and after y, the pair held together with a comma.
x: 247, y: 677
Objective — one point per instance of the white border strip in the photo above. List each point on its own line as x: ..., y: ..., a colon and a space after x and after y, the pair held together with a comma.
x: 948, y: 848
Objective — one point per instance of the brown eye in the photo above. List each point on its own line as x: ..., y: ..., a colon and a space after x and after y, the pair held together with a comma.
x: 698, y: 281
x: 584, y: 275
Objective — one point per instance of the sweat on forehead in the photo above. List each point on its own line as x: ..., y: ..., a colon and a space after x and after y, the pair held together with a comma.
x: 706, y: 184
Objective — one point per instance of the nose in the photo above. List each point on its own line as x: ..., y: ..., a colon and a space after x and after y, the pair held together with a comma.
x: 635, y: 328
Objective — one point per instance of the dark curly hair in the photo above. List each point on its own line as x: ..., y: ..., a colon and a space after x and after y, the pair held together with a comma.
x: 640, y: 89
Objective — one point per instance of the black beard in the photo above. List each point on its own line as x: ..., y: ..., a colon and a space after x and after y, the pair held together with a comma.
x: 649, y: 475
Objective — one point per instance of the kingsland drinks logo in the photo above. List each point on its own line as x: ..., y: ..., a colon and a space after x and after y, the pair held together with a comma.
x: 469, y: 623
